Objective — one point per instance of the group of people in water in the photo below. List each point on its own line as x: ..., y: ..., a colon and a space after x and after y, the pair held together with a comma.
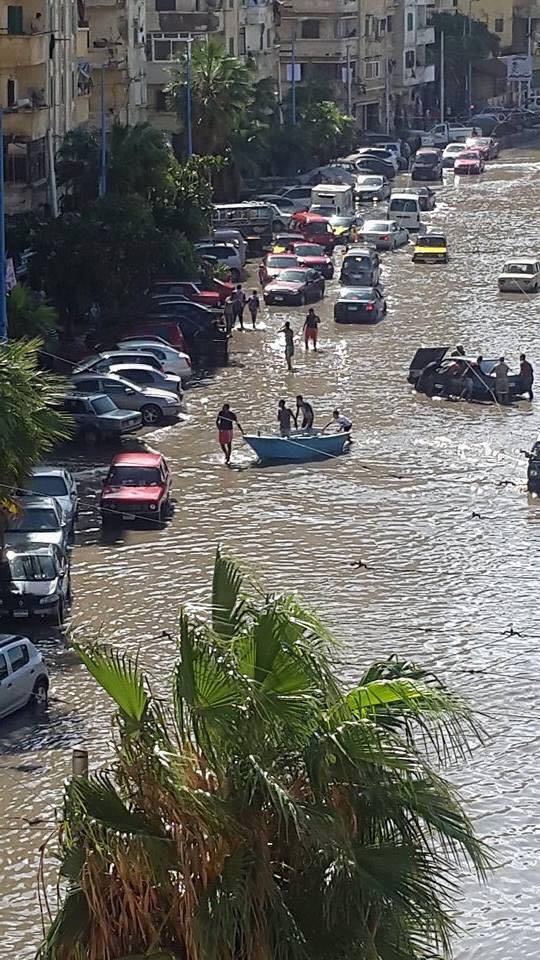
x: 462, y: 373
x: 287, y: 418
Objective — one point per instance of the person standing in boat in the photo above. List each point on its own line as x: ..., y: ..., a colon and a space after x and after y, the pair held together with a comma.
x: 285, y: 417
x: 289, y: 344
x: 225, y: 421
x: 305, y: 408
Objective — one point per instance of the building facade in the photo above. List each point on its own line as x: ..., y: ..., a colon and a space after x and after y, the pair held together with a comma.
x: 44, y: 92
x: 116, y: 57
x: 410, y: 47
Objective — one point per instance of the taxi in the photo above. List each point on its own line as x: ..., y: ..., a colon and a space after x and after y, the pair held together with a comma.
x: 430, y: 248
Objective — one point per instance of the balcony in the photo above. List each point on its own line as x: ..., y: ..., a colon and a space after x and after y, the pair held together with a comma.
x: 26, y: 123
x: 112, y: 55
x: 23, y: 49
x: 415, y: 77
x: 321, y: 50
x: 257, y: 14
x: 83, y: 34
x: 527, y: 8
x: 426, y: 36
x: 111, y: 4
x: 319, y: 8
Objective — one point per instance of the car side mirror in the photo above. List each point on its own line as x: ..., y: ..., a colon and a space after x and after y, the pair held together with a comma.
x: 129, y: 391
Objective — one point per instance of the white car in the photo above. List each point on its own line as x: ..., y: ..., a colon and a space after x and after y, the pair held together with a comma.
x: 520, y: 275
x: 381, y: 153
x: 58, y: 483
x: 225, y: 253
x: 286, y: 205
x: 23, y: 674
x: 450, y: 153
x: 300, y: 195
x: 148, y: 377
x: 384, y: 234
x: 172, y: 360
x: 230, y: 235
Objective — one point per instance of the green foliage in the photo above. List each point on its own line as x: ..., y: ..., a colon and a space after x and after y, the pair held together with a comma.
x: 222, y: 90
x: 77, y: 166
x: 268, y: 812
x: 29, y: 316
x: 462, y: 46
x: 187, y: 203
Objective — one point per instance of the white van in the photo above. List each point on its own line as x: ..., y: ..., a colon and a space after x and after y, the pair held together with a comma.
x: 405, y: 209
x: 332, y: 200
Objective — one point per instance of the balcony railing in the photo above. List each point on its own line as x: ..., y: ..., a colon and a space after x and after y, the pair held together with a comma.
x: 321, y: 50
x: 23, y: 49
x: 425, y: 36
x: 29, y: 123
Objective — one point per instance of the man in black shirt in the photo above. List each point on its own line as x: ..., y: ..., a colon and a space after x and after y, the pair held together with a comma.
x: 224, y: 422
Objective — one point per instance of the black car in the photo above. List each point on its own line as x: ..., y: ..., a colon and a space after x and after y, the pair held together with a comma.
x: 175, y: 306
x: 436, y: 374
x: 427, y: 165
x: 34, y: 582
x: 359, y: 305
x: 370, y: 164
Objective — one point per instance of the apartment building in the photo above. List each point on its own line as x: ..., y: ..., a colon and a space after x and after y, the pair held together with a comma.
x: 116, y: 56
x: 410, y: 65
x: 44, y: 92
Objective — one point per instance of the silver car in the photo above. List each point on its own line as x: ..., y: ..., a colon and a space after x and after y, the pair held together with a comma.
x: 154, y: 405
x: 55, y: 482
x: 34, y: 582
x: 371, y: 186
x: 40, y: 521
x: 384, y: 234
x: 144, y: 376
x: 23, y: 674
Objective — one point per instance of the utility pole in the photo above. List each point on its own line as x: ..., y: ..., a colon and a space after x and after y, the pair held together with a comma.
x: 189, y: 122
x: 441, y: 97
x: 387, y: 92
x: 469, y: 70
x: 529, y: 54
x: 293, y: 75
x: 53, y: 194
x: 279, y: 85
x: 103, y: 166
x: 3, y: 314
x: 349, y: 83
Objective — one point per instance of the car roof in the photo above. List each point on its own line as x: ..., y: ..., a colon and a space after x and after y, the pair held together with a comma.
x: 358, y: 248
x: 40, y: 549
x: 118, y: 367
x: 136, y: 459
x: 7, y: 638
x: 44, y: 471
x: 430, y: 236
x: 85, y: 396
x: 521, y: 260
x: 373, y: 220
x: 32, y: 500
x: 357, y: 291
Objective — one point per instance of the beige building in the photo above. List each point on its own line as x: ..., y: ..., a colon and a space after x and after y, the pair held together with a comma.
x: 116, y: 55
x: 410, y: 49
x: 44, y: 91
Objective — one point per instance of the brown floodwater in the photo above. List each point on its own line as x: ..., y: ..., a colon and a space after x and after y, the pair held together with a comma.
x: 442, y: 586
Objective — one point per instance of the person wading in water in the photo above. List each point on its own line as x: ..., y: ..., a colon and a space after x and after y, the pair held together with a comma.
x: 225, y: 421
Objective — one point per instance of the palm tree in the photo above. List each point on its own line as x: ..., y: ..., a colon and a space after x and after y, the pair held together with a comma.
x: 30, y: 419
x: 265, y: 811
x: 222, y: 90
x: 139, y: 160
x: 28, y: 316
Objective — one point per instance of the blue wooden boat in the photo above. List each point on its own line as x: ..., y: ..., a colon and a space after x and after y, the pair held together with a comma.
x: 298, y: 446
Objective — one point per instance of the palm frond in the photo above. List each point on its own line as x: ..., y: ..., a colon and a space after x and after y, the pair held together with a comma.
x: 226, y: 586
x: 121, y: 678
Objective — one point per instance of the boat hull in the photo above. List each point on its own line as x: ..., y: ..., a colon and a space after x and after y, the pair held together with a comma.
x: 299, y: 447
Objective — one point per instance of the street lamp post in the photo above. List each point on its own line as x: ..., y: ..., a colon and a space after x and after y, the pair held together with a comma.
x: 189, y: 121
x: 103, y: 152
x: 3, y: 314
x: 293, y: 76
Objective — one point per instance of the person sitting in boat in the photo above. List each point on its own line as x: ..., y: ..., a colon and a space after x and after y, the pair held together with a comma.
x: 285, y: 416
x: 305, y: 408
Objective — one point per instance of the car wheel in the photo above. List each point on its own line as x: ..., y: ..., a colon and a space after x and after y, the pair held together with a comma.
x: 40, y: 693
x: 151, y: 414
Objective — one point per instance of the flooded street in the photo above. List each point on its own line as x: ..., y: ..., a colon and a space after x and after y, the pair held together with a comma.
x: 441, y: 586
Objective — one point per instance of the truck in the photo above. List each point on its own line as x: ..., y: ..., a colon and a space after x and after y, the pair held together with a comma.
x: 444, y: 133
x: 332, y: 200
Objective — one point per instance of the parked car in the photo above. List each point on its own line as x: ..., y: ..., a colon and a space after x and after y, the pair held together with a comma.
x: 427, y: 165
x: 24, y: 677
x: 384, y: 234
x: 170, y: 359
x: 359, y: 305
x: 295, y: 287
x: 520, y: 275
x: 153, y: 405
x: 206, y: 336
x: 434, y: 373
x: 225, y: 253
x: 368, y: 163
x: 450, y: 153
x: 145, y: 376
x: 469, y: 162
x: 186, y: 288
x: 181, y: 309
x: 97, y: 417
x: 55, y: 482
x: 371, y: 187
x: 40, y: 521
x: 396, y: 148
x: 273, y: 264
x: 488, y: 147
x: 286, y: 206
x: 137, y: 485
x: 101, y: 362
x: 300, y: 195
x: 314, y: 256
x: 361, y: 267
x: 380, y: 153
x: 35, y: 582
x: 427, y: 199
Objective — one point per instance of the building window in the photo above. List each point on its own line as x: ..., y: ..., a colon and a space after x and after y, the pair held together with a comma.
x: 389, y: 24
x: 262, y: 34
x: 15, y: 20
x: 161, y: 102
x: 163, y: 5
x: 242, y: 42
x: 161, y: 47
x: 231, y: 46
x: 409, y: 60
x: 310, y: 29
x: 268, y: 39
x: 372, y: 69
x: 410, y: 22
x: 369, y: 25
x: 499, y: 24
x: 11, y: 93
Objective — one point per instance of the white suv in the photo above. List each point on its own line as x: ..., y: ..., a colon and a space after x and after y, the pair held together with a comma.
x: 23, y: 674
x: 172, y: 360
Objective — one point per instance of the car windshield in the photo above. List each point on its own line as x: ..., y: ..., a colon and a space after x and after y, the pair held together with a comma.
x: 403, y: 206
x: 376, y: 226
x: 292, y: 276
x: 309, y: 250
x: 363, y: 295
x: 134, y: 477
x: 356, y: 264
x: 35, y: 520
x: 469, y: 155
x: 370, y: 182
x: 314, y: 229
x: 518, y: 268
x: 426, y: 159
x: 102, y: 405
x: 323, y: 211
x: 432, y: 242
x: 280, y: 262
x: 48, y: 486
x: 455, y: 148
x: 27, y: 567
